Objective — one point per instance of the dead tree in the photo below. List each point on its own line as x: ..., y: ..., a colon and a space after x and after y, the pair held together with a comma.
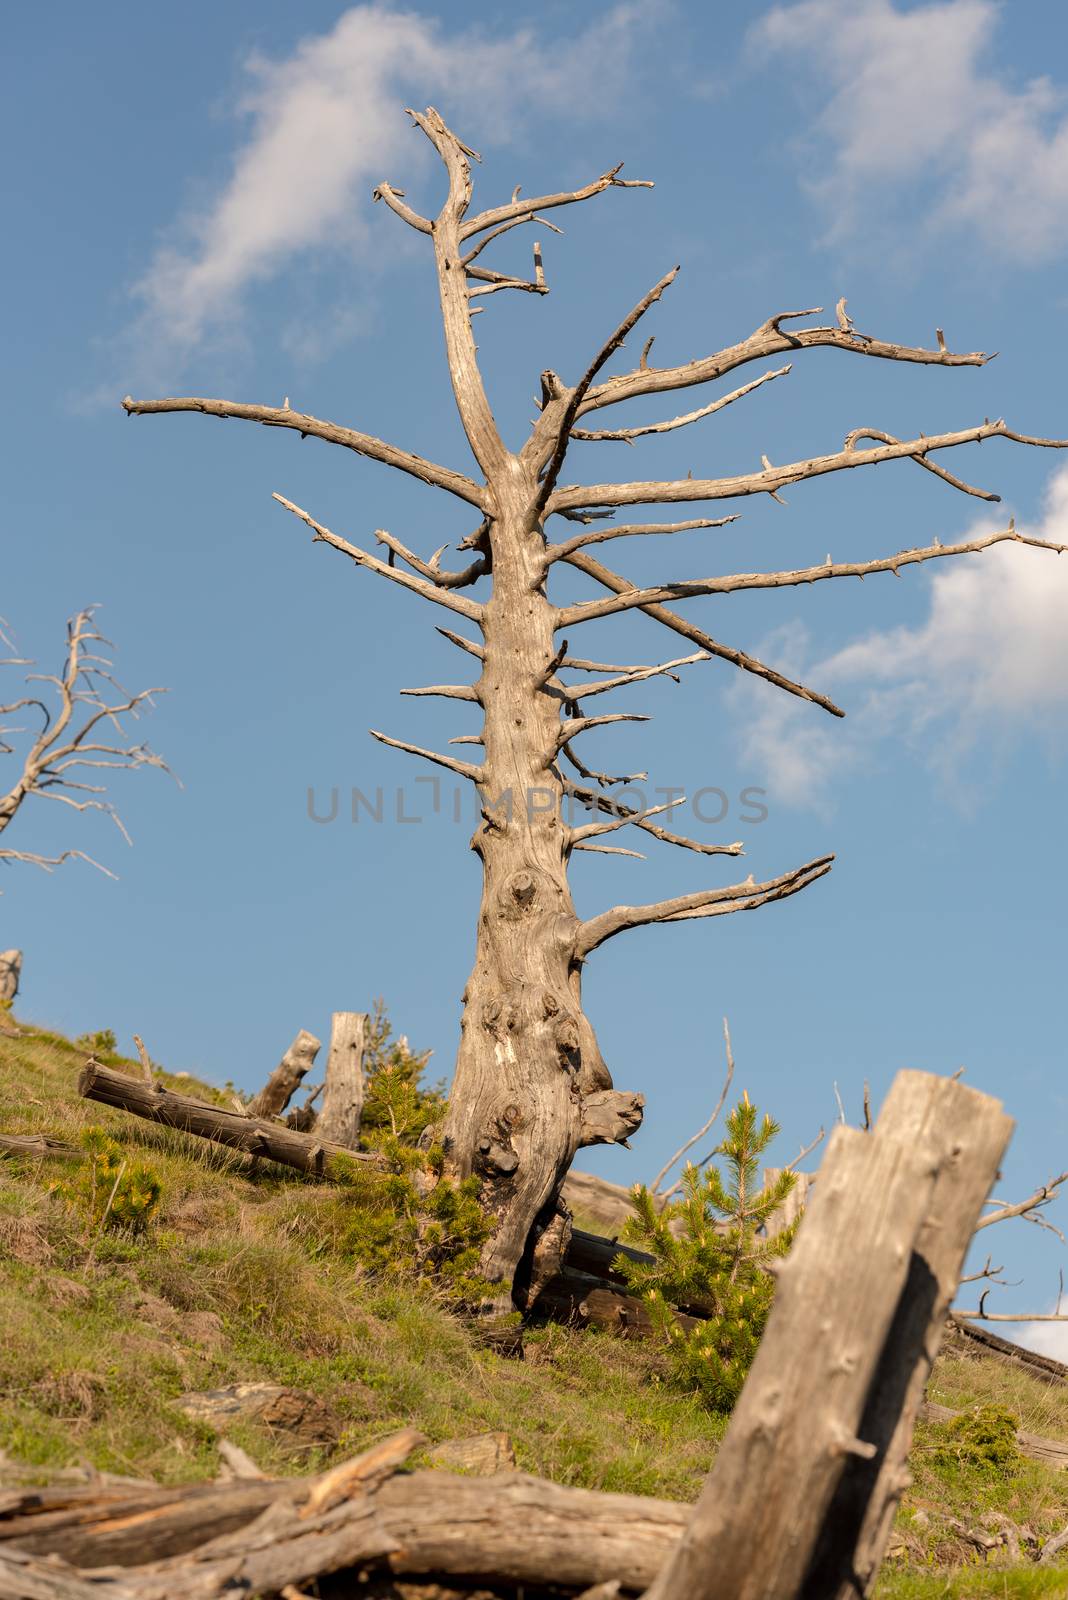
x: 530, y: 1086
x: 339, y: 1119
x: 77, y: 739
x: 286, y: 1078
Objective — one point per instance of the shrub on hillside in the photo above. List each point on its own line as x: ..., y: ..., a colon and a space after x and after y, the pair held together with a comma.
x: 110, y: 1189
x: 983, y: 1437
x: 715, y: 1262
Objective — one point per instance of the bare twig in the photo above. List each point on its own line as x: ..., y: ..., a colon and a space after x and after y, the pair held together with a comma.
x: 703, y: 1129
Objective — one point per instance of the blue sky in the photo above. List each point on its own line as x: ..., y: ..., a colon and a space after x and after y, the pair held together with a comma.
x: 191, y: 213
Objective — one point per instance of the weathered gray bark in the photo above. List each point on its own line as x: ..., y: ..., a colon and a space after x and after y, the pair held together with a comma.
x: 286, y: 1078
x: 255, y: 1136
x: 972, y: 1134
x: 10, y: 973
x: 39, y: 1146
x: 339, y: 1119
x: 797, y: 1505
x: 508, y: 1529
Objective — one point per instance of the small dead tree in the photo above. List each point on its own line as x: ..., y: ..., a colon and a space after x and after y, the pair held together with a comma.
x: 531, y: 1086
x: 79, y: 735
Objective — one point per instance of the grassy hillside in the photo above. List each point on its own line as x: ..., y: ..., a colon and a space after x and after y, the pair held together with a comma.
x: 249, y: 1275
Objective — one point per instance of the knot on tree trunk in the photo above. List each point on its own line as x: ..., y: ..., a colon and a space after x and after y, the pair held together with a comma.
x: 526, y: 893
x: 568, y: 1046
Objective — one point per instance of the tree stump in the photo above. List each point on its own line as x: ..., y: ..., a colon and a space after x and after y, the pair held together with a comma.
x: 339, y: 1119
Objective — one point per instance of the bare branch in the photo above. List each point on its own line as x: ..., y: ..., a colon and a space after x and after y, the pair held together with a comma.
x: 428, y: 569
x: 574, y: 693
x: 688, y: 630
x: 705, y: 1126
x: 520, y: 210
x: 768, y: 340
x: 429, y: 591
x: 467, y: 645
x: 468, y: 390
x: 616, y: 808
x: 576, y: 725
x: 609, y: 850
x: 591, y: 609
x: 561, y: 427
x: 394, y: 199
x: 987, y: 1270
x: 364, y: 444
x: 505, y: 228
x: 607, y: 780
x: 463, y: 769
x: 921, y: 461
x: 492, y: 281
x: 1023, y: 1208
x: 772, y: 479
x: 564, y: 552
x: 628, y: 435
x: 704, y: 903
x: 806, y: 1150
x: 447, y: 691
x: 593, y: 830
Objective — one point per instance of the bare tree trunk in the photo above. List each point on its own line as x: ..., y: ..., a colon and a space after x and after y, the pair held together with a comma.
x: 528, y: 1057
x: 339, y: 1120
x: 285, y: 1079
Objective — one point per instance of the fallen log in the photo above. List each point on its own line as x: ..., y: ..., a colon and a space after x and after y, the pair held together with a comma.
x: 964, y: 1333
x: 252, y: 1135
x: 510, y: 1530
x: 589, y: 1301
x: 40, y: 1146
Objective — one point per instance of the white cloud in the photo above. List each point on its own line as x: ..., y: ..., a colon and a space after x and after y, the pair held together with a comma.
x: 990, y: 657
x: 916, y: 97
x: 327, y: 123
x: 1048, y: 1338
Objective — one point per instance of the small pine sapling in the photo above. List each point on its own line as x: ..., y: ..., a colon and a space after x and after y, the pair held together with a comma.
x: 713, y: 1258
x: 114, y: 1191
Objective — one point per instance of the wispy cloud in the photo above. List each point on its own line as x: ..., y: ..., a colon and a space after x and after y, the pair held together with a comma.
x: 989, y: 657
x: 917, y: 100
x: 326, y: 123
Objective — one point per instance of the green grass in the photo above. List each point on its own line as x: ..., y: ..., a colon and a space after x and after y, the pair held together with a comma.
x: 248, y: 1273
x: 1016, y: 1583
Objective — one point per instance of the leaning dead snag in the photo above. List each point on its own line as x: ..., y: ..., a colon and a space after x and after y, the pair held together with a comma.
x: 531, y: 1086
x: 286, y: 1078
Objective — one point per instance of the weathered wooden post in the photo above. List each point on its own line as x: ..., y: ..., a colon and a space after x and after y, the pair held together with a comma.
x: 799, y: 1502
x: 339, y: 1120
x: 285, y: 1079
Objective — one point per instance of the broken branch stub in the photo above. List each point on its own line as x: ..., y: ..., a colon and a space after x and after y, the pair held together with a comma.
x: 286, y: 1078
